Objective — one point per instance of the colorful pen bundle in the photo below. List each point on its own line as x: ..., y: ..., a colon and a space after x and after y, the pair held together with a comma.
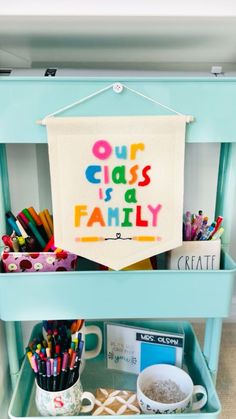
x: 32, y: 232
x: 56, y: 359
x: 196, y: 227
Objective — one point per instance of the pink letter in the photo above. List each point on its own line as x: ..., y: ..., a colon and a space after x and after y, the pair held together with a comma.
x: 102, y: 149
x: 154, y: 212
x: 58, y: 403
x: 106, y: 175
x: 100, y: 193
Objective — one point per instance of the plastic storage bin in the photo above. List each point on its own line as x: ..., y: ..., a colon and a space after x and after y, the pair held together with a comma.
x: 96, y: 375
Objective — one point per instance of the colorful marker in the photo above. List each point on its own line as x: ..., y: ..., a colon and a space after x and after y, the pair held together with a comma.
x: 218, y: 234
x: 54, y: 380
x: 11, y: 219
x: 218, y: 224
x: 49, y: 375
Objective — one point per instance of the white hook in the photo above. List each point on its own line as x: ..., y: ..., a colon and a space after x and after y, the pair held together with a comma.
x: 117, y: 87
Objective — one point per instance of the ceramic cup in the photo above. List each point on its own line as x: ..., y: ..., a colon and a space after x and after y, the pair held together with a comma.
x: 64, y: 403
x: 164, y: 372
x: 92, y: 353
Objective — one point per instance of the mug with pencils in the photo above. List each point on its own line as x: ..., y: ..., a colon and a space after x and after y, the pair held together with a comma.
x: 68, y: 402
x: 56, y: 359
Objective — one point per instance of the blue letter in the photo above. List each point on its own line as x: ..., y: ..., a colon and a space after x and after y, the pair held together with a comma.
x: 90, y: 173
x: 121, y: 152
x: 113, y: 213
x: 108, y: 194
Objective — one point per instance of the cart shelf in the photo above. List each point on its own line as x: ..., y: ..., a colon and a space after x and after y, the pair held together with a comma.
x: 127, y: 294
x: 97, y: 375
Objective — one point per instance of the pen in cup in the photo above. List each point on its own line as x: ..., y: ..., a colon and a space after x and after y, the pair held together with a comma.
x: 28, y: 215
x: 218, y: 224
x: 38, y: 223
x: 34, y: 228
x: 218, y: 234
x: 40, y: 371
x: 54, y: 380
x: 49, y: 375
x: 44, y: 376
x: 75, y: 372
x: 30, y: 244
x: 208, y: 232
x: 7, y: 240
x: 64, y: 371
x: 23, y: 234
x: 23, y: 224
x: 44, y: 221
x: 70, y: 374
x: 34, y: 366
x: 15, y: 244
x: 22, y: 244
x: 52, y: 370
x: 11, y: 219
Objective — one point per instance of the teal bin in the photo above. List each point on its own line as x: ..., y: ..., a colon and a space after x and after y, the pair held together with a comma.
x: 127, y: 294
x: 96, y: 375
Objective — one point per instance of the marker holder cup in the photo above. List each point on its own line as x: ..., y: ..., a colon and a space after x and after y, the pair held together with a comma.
x: 195, y: 255
x: 67, y: 402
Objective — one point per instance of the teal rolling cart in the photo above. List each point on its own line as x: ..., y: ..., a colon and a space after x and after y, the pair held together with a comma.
x: 122, y: 295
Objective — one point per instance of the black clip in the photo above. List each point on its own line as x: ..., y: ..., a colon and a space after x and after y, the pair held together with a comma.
x: 50, y: 72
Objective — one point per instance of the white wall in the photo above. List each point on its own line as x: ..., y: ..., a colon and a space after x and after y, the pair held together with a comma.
x: 23, y: 176
x: 120, y: 8
x: 29, y: 176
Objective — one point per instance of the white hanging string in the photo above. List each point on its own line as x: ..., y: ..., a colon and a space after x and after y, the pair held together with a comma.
x: 117, y: 87
x: 152, y: 100
x: 78, y: 102
x: 189, y: 118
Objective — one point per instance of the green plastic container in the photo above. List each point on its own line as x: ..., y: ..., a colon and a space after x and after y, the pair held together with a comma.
x: 96, y: 375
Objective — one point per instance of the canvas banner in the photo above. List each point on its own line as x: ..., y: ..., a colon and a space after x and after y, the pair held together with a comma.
x: 117, y: 186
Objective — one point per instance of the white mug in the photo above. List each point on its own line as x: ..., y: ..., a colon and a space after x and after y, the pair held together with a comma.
x: 165, y: 372
x: 65, y: 402
x: 92, y: 353
x: 92, y: 330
